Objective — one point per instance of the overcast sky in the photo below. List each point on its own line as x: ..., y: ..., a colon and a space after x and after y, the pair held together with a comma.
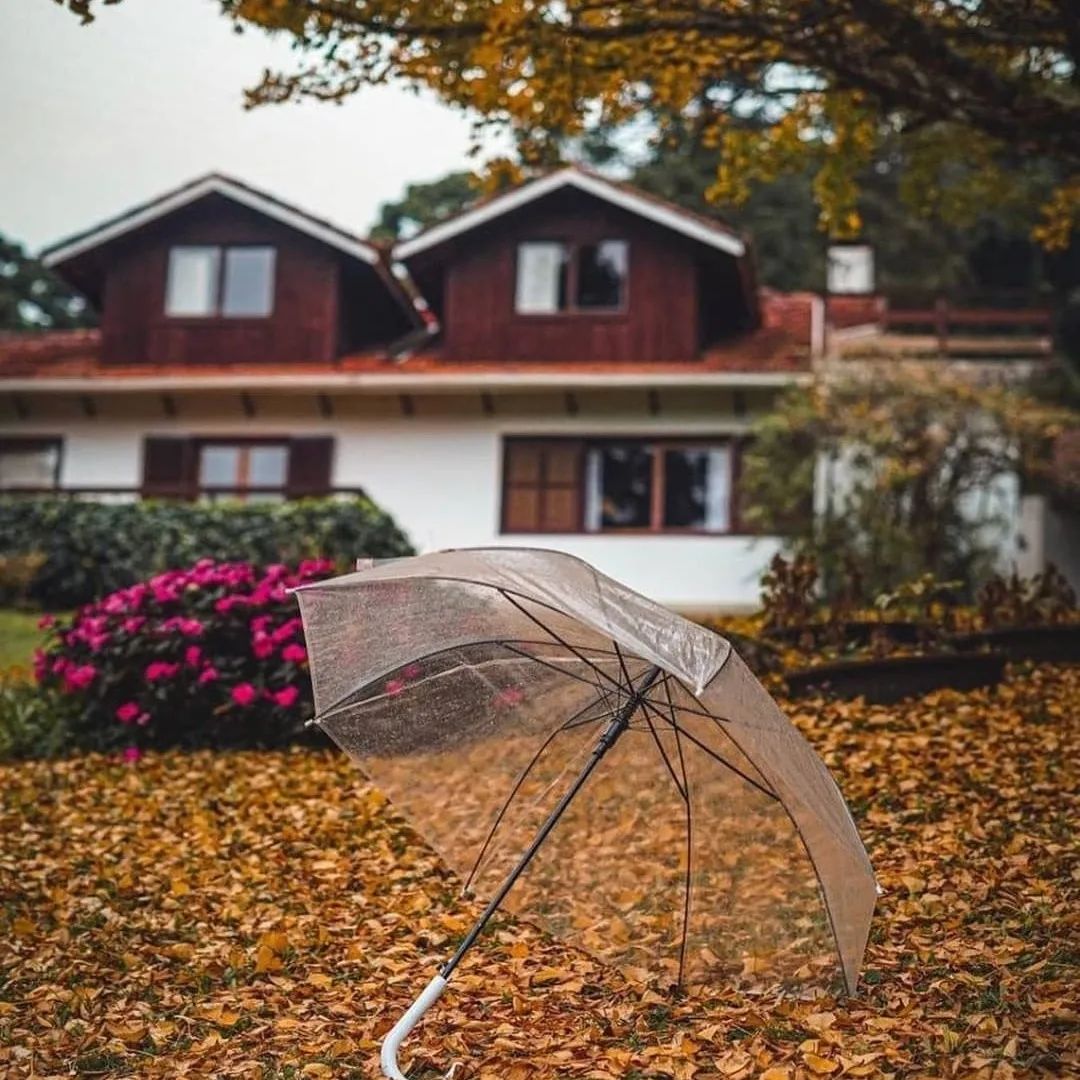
x: 96, y: 118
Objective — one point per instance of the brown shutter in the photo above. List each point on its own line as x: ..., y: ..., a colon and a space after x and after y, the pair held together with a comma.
x: 169, y: 467
x: 310, y: 462
x: 542, y: 485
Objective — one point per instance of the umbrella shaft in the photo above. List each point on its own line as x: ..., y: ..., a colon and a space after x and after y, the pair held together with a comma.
x: 619, y: 723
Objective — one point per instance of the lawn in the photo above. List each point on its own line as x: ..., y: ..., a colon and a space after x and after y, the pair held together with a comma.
x: 19, y: 636
x: 268, y: 915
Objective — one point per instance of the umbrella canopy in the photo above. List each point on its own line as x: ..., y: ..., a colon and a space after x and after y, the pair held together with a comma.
x: 473, y: 686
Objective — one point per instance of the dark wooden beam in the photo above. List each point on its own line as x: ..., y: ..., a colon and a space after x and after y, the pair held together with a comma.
x: 247, y: 403
x: 168, y: 405
x: 738, y: 402
x: 408, y: 406
x: 88, y: 406
x: 18, y: 403
x: 654, y: 403
x: 326, y: 406
x: 487, y: 403
x: 571, y: 403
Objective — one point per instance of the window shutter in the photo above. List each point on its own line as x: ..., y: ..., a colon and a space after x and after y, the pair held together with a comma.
x: 310, y: 463
x: 169, y: 467
x: 541, y: 485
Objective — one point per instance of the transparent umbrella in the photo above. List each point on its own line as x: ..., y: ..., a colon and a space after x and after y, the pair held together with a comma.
x: 581, y: 754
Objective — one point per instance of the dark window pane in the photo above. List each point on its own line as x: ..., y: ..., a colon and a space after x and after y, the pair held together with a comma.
x: 601, y: 279
x: 697, y: 488
x: 249, y: 282
x: 619, y: 486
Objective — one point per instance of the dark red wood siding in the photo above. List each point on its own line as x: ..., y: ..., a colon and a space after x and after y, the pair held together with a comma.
x: 471, y: 282
x: 304, y: 323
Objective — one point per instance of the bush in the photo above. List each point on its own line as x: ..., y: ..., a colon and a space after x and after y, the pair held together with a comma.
x: 33, y: 721
x: 92, y: 549
x: 209, y: 656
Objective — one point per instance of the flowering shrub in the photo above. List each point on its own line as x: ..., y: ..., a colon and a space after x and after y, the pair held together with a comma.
x: 209, y: 656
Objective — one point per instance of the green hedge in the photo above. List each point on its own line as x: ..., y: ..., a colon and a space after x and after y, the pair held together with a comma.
x: 92, y: 549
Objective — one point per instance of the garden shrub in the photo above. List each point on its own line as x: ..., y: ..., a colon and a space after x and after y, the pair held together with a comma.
x: 91, y: 549
x: 209, y: 656
x: 34, y: 722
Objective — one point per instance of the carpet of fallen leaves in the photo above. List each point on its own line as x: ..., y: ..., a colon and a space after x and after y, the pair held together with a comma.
x: 268, y: 915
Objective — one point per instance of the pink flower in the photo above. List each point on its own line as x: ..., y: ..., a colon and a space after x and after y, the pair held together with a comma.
x: 286, y: 696
x: 46, y: 622
x: 132, y: 754
x: 262, y: 646
x: 128, y: 712
x: 132, y: 625
x: 244, y: 693
x: 412, y: 671
x: 227, y: 603
x: 294, y: 654
x: 79, y: 678
x: 160, y: 670
x: 394, y: 686
x: 192, y: 655
x: 285, y: 631
x: 207, y: 675
x: 41, y: 665
x: 510, y: 697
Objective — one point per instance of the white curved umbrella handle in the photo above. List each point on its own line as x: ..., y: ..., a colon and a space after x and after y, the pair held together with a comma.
x: 399, y: 1032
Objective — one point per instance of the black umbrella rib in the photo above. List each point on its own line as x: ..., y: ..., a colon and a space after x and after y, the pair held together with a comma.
x: 689, y: 857
x: 547, y: 663
x: 576, y: 721
x: 723, y: 761
x: 563, y: 642
x: 663, y: 753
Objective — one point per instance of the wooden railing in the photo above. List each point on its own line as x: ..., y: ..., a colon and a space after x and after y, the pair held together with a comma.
x: 960, y: 331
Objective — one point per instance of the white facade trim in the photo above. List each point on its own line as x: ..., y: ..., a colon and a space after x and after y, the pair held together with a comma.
x: 219, y: 185
x: 592, y: 185
x: 398, y: 383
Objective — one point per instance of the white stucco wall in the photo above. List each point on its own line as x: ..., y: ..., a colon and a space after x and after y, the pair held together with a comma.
x: 438, y: 473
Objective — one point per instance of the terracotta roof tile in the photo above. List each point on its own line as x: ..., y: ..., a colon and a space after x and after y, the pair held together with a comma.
x: 76, y: 354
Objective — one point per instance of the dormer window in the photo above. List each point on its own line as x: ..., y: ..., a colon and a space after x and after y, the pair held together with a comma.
x: 205, y: 281
x: 554, y: 277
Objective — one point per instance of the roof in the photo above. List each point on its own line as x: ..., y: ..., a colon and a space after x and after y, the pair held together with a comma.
x: 214, y: 183
x: 704, y: 230
x: 69, y: 361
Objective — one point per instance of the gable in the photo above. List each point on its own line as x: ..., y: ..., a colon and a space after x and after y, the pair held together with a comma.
x: 701, y: 230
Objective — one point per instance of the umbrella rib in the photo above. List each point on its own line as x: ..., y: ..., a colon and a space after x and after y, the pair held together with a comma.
x: 689, y: 858
x: 548, y: 664
x: 727, y: 764
x: 663, y: 753
x: 345, y: 702
x: 562, y: 641
x: 575, y: 721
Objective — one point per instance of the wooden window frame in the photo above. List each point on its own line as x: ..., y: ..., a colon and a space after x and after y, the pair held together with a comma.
x: 656, y: 527
x: 219, y: 285
x: 242, y: 488
x: 573, y: 248
x: 23, y: 444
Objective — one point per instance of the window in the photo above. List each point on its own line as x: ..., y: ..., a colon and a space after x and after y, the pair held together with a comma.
x: 29, y: 464
x: 553, y: 276
x: 612, y: 485
x: 253, y: 471
x: 206, y: 281
x: 601, y: 274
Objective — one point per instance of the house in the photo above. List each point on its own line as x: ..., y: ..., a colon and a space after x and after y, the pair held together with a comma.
x: 569, y: 364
